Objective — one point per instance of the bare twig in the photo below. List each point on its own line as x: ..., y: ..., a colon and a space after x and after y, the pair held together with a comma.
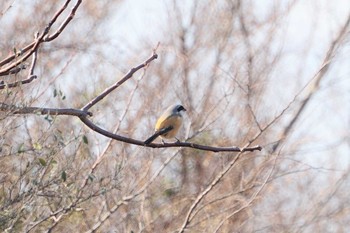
x: 18, y: 83
x: 130, y: 197
x: 101, y: 156
x: 317, y: 79
x: 17, y: 69
x: 65, y: 22
x: 253, y: 197
x: 120, y: 82
x: 205, y: 192
x: 217, y: 179
x: 6, y: 8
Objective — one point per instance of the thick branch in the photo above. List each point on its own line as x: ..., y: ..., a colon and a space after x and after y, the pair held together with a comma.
x: 43, y: 111
x: 207, y: 148
x: 106, y: 133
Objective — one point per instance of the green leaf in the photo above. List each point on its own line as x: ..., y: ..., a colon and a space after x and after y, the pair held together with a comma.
x: 42, y: 162
x: 48, y: 118
x: 64, y: 176
x: 20, y: 148
x: 37, y: 146
x: 91, y: 177
x: 169, y: 192
x: 55, y: 93
x: 103, y: 190
x: 85, y: 139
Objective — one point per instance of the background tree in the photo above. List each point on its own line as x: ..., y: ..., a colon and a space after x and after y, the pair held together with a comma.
x: 272, y: 74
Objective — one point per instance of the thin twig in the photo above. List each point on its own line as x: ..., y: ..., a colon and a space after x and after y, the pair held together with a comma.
x: 318, y: 76
x: 130, y: 197
x: 317, y: 80
x: 217, y: 179
x: 44, y: 37
x: 120, y: 82
x: 65, y: 22
x: 101, y: 156
x: 253, y: 197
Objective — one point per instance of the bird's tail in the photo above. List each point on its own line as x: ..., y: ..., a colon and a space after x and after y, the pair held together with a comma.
x: 158, y: 133
x: 152, y: 138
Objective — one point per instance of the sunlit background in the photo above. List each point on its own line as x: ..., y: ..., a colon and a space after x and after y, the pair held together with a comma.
x: 243, y: 70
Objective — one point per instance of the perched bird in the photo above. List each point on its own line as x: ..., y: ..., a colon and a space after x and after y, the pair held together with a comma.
x: 168, y: 124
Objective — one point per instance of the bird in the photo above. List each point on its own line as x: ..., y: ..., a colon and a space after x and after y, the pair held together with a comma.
x: 168, y: 124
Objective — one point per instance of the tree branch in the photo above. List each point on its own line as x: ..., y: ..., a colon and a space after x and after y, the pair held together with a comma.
x: 30, y: 78
x: 108, y: 134
x: 317, y: 79
x: 126, y: 199
x: 65, y: 22
x: 120, y: 82
x: 83, y: 113
x: 44, y: 37
x: 43, y: 111
x: 190, y: 214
